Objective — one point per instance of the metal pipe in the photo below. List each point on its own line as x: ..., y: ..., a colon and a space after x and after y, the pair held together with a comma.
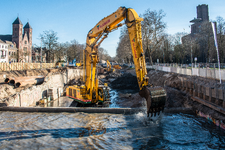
x: 125, y: 111
x: 22, y: 81
x: 7, y: 80
x: 11, y: 82
x: 73, y: 109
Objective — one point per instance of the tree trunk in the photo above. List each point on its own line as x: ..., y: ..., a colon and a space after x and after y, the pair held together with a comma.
x: 150, y: 60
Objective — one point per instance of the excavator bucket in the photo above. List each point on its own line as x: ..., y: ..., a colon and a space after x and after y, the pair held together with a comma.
x: 156, y: 99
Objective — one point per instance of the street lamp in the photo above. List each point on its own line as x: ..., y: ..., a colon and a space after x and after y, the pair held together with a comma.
x: 195, y: 61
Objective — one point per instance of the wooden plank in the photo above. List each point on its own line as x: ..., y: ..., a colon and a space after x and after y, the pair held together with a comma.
x: 209, y: 104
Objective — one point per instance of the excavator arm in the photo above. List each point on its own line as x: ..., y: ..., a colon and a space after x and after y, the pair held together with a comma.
x: 155, y: 97
x: 108, y: 66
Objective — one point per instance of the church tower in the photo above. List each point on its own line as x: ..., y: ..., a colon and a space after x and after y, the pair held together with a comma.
x: 17, y: 36
x: 17, y: 33
x: 22, y: 36
x: 28, y: 30
x: 28, y: 43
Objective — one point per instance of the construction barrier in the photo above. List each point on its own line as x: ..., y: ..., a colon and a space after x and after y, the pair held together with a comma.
x: 202, y: 72
x: 27, y: 66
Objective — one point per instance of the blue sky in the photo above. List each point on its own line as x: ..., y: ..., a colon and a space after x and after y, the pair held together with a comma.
x: 72, y: 19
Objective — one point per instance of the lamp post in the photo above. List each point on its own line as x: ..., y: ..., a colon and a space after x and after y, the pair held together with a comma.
x: 195, y: 61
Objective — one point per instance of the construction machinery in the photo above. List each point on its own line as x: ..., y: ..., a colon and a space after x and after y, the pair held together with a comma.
x: 117, y: 67
x: 90, y: 92
x: 80, y: 63
x: 109, y: 68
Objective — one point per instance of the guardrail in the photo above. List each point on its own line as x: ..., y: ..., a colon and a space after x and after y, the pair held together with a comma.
x: 26, y: 66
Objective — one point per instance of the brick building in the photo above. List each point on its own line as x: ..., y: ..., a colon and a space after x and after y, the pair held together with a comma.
x: 22, y: 37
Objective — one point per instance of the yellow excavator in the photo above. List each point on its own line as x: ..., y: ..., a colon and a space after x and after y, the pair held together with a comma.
x: 90, y: 92
x: 109, y: 68
x: 117, y: 67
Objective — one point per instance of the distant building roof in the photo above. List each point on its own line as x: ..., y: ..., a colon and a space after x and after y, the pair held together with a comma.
x: 1, y: 41
x: 27, y: 25
x: 6, y: 37
x: 17, y: 21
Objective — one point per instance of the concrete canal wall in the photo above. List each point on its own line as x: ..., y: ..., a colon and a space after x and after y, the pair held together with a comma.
x: 52, y: 87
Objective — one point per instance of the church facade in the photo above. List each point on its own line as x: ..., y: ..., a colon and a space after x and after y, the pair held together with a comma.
x: 22, y: 38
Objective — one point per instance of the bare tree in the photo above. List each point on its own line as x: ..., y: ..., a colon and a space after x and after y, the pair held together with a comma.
x: 221, y: 37
x: 49, y: 39
x: 153, y: 31
x: 182, y: 46
x: 123, y: 51
x: 103, y: 54
x: 75, y: 50
x: 60, y: 52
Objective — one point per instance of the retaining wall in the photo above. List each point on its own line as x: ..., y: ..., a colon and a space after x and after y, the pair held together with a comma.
x: 53, y: 84
x: 210, y: 96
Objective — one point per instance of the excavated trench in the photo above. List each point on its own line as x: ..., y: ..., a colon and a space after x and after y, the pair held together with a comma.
x: 124, y: 89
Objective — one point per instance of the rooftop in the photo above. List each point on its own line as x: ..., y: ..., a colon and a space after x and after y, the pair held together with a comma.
x: 17, y: 21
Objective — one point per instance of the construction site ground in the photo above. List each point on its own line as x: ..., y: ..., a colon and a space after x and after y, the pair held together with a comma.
x: 125, y: 83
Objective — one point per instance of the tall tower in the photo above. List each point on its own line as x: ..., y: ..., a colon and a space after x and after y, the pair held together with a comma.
x: 202, y: 12
x: 17, y: 33
x: 201, y: 20
x: 28, y: 31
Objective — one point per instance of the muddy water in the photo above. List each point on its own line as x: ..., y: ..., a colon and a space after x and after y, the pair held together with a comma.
x: 107, y: 131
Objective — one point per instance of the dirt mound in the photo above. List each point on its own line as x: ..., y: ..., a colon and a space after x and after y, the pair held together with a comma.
x: 126, y: 81
x: 130, y: 100
x: 6, y: 91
